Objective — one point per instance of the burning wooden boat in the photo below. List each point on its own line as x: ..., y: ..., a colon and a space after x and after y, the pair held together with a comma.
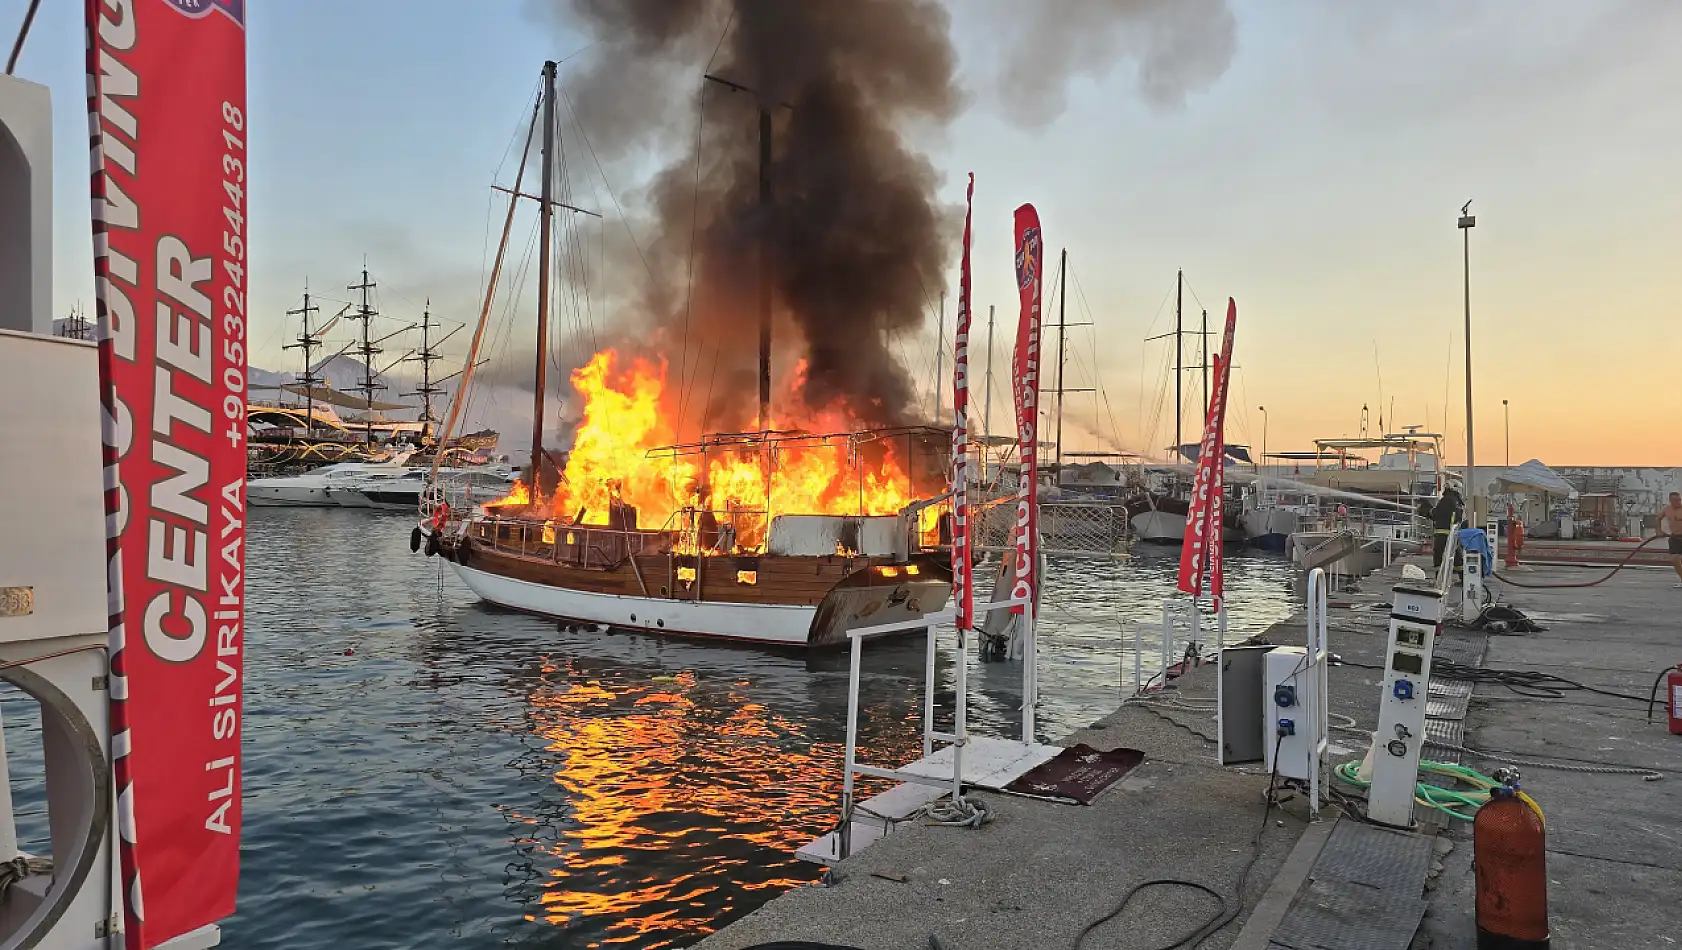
x: 808, y: 526
x: 796, y: 567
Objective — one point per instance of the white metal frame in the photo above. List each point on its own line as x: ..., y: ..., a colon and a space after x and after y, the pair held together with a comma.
x: 1318, y: 653
x: 957, y: 738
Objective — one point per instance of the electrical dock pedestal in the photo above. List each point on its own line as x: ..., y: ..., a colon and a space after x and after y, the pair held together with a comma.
x: 1416, y: 615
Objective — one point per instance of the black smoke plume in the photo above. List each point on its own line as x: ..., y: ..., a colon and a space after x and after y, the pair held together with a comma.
x: 862, y: 240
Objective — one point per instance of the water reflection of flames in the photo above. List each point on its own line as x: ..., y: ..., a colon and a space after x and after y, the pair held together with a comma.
x: 627, y: 411
x: 661, y: 778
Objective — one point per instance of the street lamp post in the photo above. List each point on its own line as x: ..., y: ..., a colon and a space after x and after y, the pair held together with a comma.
x: 1507, y: 426
x: 1467, y: 222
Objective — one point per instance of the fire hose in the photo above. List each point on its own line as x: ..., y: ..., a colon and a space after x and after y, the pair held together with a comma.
x: 1601, y: 580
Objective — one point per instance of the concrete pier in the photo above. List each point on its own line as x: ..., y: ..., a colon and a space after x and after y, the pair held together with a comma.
x: 1040, y: 872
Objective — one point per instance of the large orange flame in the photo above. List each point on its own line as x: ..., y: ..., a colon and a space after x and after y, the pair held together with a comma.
x: 627, y: 411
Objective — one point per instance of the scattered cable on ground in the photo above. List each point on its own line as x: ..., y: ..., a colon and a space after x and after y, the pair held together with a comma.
x: 1227, y: 911
x: 1599, y: 580
x: 1648, y: 775
x: 1653, y: 696
x: 1530, y: 683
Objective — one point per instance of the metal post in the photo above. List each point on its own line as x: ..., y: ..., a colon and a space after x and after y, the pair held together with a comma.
x: 1138, y: 659
x: 960, y: 716
x: 1030, y: 673
x: 1507, y: 431
x: 1467, y: 222
x: 928, y: 695
x: 844, y: 835
x: 1167, y: 636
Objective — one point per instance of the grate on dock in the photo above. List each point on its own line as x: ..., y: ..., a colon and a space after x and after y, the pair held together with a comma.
x: 1336, y: 915
x: 1364, y: 892
x: 1390, y: 860
x: 1452, y: 731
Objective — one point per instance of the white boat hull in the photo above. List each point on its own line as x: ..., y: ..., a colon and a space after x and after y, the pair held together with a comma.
x: 1271, y: 528
x: 758, y: 623
x: 348, y: 497
x: 1159, y: 527
x: 288, y: 496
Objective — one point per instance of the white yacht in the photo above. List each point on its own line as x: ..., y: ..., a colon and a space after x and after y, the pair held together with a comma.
x: 317, y: 488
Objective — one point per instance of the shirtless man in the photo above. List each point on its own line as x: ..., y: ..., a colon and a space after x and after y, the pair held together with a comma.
x: 1670, y: 523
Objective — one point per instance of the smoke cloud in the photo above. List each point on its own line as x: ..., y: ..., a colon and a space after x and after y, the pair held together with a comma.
x: 861, y: 239
x: 1175, y: 47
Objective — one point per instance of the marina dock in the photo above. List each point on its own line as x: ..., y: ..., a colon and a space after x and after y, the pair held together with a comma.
x: 1041, y: 873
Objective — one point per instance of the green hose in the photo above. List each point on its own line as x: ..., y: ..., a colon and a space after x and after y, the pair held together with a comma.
x: 1445, y: 800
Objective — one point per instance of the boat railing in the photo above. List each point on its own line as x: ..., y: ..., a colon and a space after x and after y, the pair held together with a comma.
x: 600, y: 547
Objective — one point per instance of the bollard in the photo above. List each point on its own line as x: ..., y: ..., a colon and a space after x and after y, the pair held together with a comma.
x: 1509, y: 861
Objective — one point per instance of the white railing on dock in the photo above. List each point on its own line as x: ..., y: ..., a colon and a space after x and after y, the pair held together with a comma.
x: 1320, y: 701
x: 957, y: 738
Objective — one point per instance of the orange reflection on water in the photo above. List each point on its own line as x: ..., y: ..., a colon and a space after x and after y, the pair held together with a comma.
x: 683, y: 796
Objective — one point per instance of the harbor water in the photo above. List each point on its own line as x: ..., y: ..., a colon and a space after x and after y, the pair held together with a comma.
x: 422, y: 769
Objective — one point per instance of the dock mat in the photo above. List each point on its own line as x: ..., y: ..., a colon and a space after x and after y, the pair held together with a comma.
x: 1077, y: 774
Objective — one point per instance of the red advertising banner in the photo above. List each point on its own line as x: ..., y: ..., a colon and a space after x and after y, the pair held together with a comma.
x: 963, y: 581
x: 1203, y: 522
x: 166, y: 102
x: 1025, y: 382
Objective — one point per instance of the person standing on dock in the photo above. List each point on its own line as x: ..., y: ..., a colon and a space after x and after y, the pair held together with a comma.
x: 1443, y: 518
x: 1670, y: 525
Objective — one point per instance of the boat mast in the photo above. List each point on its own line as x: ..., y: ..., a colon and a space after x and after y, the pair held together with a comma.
x: 368, y: 350
x: 426, y: 356
x: 939, y: 356
x: 987, y: 407
x: 545, y: 227
x: 1062, y: 351
x: 1203, y: 348
x: 1179, y: 365
x: 765, y: 237
x: 306, y: 342
x: 490, y: 294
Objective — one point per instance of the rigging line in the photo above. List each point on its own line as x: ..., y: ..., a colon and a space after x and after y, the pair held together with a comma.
x: 567, y: 98
x: 684, y: 373
x: 1097, y: 378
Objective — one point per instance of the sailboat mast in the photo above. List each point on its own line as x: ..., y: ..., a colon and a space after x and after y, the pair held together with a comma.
x: 987, y: 408
x: 1203, y: 348
x: 765, y: 239
x: 545, y: 228
x: 1062, y: 351
x: 1179, y: 365
x: 368, y: 351
x: 307, y: 342
x: 939, y: 357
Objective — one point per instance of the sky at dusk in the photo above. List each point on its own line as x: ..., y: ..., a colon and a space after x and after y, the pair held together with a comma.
x: 1311, y: 163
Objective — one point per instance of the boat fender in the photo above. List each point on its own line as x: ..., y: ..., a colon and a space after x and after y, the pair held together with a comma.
x: 464, y: 549
x: 415, y: 541
x: 431, y: 545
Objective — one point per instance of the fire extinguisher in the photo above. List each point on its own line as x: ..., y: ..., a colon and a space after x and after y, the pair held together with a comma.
x: 1673, y: 697
x: 1509, y: 861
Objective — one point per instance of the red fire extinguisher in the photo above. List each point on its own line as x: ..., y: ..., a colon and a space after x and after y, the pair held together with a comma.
x: 1673, y: 699
x: 1509, y: 861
